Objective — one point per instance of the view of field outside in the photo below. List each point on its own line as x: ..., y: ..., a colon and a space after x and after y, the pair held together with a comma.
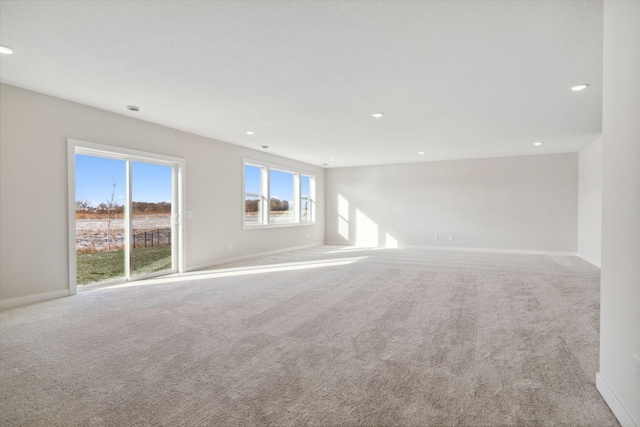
x: 253, y: 204
x: 281, y: 189
x: 305, y: 212
x: 146, y: 179
x: 100, y: 198
x: 281, y: 203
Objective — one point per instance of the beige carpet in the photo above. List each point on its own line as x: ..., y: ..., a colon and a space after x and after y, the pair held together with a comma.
x: 324, y: 336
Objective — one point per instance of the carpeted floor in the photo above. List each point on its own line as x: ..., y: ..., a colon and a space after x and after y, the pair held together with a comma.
x: 324, y: 336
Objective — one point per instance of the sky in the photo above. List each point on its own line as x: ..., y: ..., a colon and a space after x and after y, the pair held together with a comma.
x: 281, y: 183
x: 152, y: 183
x: 95, y: 177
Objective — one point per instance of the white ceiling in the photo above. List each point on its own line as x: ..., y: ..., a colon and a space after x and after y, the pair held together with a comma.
x: 456, y: 79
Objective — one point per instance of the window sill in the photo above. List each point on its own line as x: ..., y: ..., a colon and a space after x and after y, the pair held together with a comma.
x: 261, y: 227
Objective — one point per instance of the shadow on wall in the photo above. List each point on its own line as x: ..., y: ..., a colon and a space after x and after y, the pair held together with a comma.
x: 355, y: 226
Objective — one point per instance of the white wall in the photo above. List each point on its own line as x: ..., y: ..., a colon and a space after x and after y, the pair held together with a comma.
x: 515, y: 203
x: 590, y: 202
x: 620, y: 280
x: 33, y: 189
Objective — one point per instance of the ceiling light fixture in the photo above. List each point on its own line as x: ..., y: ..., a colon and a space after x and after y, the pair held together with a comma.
x: 5, y: 50
x: 421, y: 152
x: 581, y: 86
x: 250, y: 132
x: 537, y: 143
x: 324, y: 164
x: 333, y: 160
x: 264, y: 146
x: 377, y: 115
x: 133, y: 108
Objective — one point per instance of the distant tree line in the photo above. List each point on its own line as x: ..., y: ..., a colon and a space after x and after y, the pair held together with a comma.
x: 138, y: 207
x: 276, y: 205
x: 148, y: 207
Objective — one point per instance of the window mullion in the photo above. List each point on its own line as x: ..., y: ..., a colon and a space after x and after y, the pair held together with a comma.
x: 296, y: 197
x: 312, y: 199
x: 287, y: 181
x: 266, y: 172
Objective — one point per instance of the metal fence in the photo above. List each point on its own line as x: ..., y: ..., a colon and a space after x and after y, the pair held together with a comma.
x: 148, y: 239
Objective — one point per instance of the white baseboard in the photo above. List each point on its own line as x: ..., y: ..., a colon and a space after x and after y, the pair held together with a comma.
x: 32, y: 299
x: 614, y: 404
x: 590, y: 260
x: 255, y: 255
x: 491, y: 250
x: 466, y: 249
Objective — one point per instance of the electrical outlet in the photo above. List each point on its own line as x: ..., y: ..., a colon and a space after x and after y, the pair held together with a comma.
x: 636, y: 359
x: 229, y: 247
x: 189, y: 214
x: 435, y: 237
x: 307, y: 235
x: 450, y: 237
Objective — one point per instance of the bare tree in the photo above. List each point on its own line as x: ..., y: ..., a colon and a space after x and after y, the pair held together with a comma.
x: 82, y: 205
x: 112, y: 209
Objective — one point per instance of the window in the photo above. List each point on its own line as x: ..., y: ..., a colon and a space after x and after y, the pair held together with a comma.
x: 275, y: 196
x: 254, y: 195
x: 307, y: 198
x: 282, y: 207
x: 133, y: 201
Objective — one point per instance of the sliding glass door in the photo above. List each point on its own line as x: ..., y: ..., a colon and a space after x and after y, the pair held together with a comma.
x: 100, y: 222
x: 126, y: 220
x: 151, y: 218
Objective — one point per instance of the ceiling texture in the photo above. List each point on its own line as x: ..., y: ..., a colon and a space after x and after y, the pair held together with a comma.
x: 455, y: 79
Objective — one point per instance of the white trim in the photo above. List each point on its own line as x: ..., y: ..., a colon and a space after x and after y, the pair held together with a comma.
x: 276, y: 225
x: 32, y: 299
x: 115, y: 152
x: 71, y: 205
x: 589, y: 260
x: 265, y: 195
x: 128, y: 220
x: 255, y: 255
x: 102, y: 284
x: 181, y: 227
x: 122, y: 280
x: 281, y: 168
x: 178, y: 164
x: 614, y: 404
x: 465, y: 249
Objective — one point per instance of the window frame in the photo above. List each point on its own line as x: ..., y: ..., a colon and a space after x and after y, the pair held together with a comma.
x: 178, y: 208
x: 263, y: 195
x: 265, y: 187
x: 311, y: 199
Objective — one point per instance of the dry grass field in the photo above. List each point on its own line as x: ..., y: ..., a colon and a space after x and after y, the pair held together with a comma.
x: 91, y: 230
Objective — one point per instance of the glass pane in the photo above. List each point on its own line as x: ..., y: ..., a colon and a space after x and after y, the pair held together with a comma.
x: 252, y: 210
x: 252, y: 179
x: 100, y: 197
x: 281, y: 205
x: 151, y: 196
x: 305, y: 212
x: 252, y: 191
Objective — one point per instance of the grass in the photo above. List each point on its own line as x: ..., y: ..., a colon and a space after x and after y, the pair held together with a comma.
x: 100, y: 266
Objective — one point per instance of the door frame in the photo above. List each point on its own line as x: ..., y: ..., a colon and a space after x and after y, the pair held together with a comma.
x: 179, y: 260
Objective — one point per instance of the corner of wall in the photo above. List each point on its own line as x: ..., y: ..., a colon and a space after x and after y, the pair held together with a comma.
x: 590, y: 202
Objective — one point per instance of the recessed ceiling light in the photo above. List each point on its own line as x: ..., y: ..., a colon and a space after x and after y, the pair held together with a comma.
x: 250, y: 132
x: 333, y: 160
x: 133, y: 108
x: 377, y: 115
x: 537, y: 143
x: 264, y: 146
x: 579, y: 87
x: 421, y: 152
x: 5, y: 50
